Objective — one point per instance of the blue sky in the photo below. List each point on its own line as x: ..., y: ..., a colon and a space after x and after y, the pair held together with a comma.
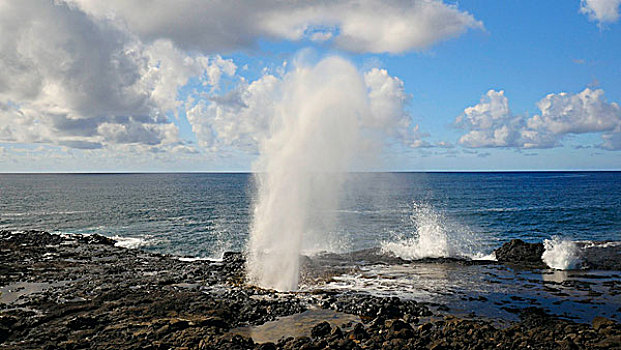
x: 112, y: 88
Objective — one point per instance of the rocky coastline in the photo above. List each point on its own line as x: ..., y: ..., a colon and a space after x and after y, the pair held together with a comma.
x: 83, y: 292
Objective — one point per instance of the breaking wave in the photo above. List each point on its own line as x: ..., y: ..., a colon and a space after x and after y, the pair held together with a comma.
x: 436, y: 237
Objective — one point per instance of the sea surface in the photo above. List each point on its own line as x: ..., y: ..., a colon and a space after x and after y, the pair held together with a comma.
x: 408, y: 215
x: 204, y: 215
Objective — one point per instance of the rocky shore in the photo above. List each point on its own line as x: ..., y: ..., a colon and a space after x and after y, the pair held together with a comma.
x: 83, y: 292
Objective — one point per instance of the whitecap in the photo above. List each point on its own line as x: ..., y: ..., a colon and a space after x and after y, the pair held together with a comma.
x: 193, y: 259
x: 129, y: 242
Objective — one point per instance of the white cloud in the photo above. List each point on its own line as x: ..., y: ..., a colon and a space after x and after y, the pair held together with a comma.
x: 73, y: 81
x: 242, y: 117
x: 601, y: 11
x: 387, y: 99
x: 359, y: 26
x: 587, y: 111
x: 491, y: 124
x: 238, y: 118
x: 100, y: 74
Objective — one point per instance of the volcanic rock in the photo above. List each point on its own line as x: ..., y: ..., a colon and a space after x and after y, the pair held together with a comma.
x: 517, y: 251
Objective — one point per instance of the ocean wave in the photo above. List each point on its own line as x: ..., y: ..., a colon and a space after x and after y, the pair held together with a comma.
x: 193, y: 259
x: 44, y: 213
x: 606, y: 244
x: 130, y: 242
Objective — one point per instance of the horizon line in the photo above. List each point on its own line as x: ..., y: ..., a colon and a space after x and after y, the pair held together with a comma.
x: 351, y: 172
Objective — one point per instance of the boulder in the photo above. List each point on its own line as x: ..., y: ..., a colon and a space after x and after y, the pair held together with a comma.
x: 517, y: 251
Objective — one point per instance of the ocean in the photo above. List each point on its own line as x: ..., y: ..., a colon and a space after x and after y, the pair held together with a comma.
x: 203, y: 215
x: 408, y: 215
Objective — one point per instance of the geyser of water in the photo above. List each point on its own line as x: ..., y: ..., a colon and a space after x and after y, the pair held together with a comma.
x: 315, y: 134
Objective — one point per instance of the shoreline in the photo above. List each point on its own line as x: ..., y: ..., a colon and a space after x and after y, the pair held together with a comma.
x: 71, y: 292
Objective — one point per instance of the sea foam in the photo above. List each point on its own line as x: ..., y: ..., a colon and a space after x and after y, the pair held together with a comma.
x: 561, y: 254
x: 129, y: 242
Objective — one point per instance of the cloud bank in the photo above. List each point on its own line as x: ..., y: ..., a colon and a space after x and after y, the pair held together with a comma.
x: 353, y: 25
x: 490, y: 123
x: 70, y: 81
x: 93, y: 75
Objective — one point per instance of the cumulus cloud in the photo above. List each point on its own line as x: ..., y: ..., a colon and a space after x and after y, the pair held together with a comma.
x: 354, y: 25
x: 387, y: 99
x: 90, y: 74
x: 602, y: 11
x: 238, y: 118
x: 491, y: 123
x: 72, y: 81
x: 244, y: 116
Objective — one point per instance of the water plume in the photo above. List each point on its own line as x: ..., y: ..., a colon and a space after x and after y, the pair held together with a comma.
x: 561, y: 254
x: 436, y: 237
x: 319, y: 130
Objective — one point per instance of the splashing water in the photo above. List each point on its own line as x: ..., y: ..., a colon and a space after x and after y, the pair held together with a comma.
x: 435, y: 237
x: 561, y: 254
x: 315, y: 136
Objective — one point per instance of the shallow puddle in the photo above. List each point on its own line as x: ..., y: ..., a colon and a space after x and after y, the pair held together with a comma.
x: 298, y: 325
x: 12, y: 292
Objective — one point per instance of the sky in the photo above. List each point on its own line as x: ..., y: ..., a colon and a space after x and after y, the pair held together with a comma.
x: 189, y: 85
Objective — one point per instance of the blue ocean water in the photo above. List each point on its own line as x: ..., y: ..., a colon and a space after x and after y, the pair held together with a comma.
x: 204, y: 215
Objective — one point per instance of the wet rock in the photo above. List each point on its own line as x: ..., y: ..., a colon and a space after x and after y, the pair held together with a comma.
x: 321, y: 330
x: 600, y: 323
x: 601, y: 255
x: 96, y: 239
x: 425, y: 327
x: 370, y: 307
x: 613, y: 342
x: 82, y: 322
x: 267, y: 346
x: 517, y: 251
x: 102, y: 296
x: 4, y: 333
x: 336, y: 333
x: 399, y: 329
x: 358, y: 333
x: 215, y: 322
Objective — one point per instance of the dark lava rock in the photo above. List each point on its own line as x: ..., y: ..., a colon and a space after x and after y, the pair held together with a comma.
x: 4, y: 333
x: 399, y: 329
x: 96, y: 239
x: 603, y: 322
x: 369, y: 307
x: 267, y: 346
x: 82, y: 322
x: 358, y: 333
x: 321, y: 330
x: 517, y: 251
x: 98, y: 296
x: 601, y: 255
